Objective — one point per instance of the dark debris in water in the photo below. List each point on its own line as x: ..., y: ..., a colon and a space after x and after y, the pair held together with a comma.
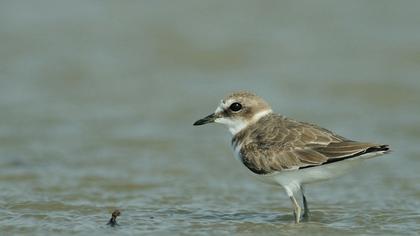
x: 113, y: 221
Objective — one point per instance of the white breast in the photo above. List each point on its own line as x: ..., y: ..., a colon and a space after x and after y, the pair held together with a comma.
x: 237, y: 151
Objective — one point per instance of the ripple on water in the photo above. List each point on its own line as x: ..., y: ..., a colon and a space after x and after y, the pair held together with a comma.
x: 104, y: 121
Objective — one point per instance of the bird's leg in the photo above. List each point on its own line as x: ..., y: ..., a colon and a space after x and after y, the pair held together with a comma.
x: 305, y: 205
x: 296, y: 209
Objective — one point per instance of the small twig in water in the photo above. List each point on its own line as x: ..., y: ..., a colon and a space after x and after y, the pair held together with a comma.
x: 113, y: 221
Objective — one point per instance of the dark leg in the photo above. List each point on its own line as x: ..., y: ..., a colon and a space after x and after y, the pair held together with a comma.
x: 305, y: 205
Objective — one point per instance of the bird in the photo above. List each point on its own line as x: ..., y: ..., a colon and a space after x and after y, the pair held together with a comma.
x: 286, y: 152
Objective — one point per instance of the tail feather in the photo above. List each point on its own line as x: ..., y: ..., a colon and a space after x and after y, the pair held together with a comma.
x: 366, y: 151
x: 381, y: 148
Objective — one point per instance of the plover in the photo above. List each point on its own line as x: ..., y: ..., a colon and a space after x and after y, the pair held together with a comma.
x: 284, y: 151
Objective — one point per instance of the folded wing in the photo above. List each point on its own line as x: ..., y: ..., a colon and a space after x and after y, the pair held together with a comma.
x: 293, y: 145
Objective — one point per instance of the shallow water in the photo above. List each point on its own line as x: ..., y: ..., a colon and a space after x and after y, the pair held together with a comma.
x: 97, y: 103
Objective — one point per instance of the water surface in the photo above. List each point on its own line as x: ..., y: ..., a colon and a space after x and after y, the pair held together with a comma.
x: 97, y: 102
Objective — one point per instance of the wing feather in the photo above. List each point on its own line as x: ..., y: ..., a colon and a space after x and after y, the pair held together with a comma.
x: 277, y: 143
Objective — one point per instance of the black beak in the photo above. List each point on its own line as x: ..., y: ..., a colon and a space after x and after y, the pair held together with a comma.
x: 206, y: 120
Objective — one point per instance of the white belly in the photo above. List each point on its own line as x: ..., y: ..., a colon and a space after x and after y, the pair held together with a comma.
x: 291, y: 180
x: 314, y: 174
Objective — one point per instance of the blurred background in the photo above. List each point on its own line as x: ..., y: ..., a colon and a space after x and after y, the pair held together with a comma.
x: 97, y: 101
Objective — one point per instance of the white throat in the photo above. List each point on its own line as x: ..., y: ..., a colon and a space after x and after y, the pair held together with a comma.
x: 236, y: 125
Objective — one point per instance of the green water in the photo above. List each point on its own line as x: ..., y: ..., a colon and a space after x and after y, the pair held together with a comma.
x: 97, y: 101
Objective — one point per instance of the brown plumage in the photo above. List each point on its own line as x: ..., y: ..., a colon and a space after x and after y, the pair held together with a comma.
x: 276, y: 143
x: 284, y: 151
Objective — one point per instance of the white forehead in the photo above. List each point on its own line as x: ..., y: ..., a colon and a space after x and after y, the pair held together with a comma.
x: 224, y: 104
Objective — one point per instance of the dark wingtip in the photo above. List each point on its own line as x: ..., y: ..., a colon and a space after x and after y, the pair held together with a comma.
x: 381, y: 148
x: 385, y: 149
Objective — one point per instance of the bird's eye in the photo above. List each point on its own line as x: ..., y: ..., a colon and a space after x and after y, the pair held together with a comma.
x: 235, y: 106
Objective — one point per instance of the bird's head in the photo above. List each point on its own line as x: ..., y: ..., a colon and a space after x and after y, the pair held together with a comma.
x: 237, y: 111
